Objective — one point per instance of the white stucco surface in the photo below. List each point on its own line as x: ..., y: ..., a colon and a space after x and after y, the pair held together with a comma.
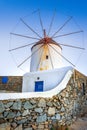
x: 63, y: 77
x: 50, y: 78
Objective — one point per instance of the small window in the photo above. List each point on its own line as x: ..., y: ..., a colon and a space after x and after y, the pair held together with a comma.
x: 83, y: 89
x: 4, y: 80
x: 46, y: 56
x: 38, y: 78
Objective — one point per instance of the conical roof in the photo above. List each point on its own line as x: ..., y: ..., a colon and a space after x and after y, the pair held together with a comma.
x: 46, y: 40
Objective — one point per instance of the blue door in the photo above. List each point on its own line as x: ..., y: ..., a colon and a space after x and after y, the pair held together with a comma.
x: 38, y: 86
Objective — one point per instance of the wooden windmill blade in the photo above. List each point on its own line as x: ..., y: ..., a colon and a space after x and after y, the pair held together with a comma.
x: 19, y: 47
x: 51, y: 24
x: 71, y: 33
x: 61, y: 27
x: 20, y: 35
x: 29, y: 57
x: 30, y: 28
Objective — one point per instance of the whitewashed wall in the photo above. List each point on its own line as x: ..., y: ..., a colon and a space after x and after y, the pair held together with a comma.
x: 50, y: 78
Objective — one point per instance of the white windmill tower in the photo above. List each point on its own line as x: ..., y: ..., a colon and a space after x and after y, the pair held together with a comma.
x: 46, y: 57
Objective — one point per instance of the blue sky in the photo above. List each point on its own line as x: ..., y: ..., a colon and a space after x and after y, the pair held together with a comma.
x: 12, y: 10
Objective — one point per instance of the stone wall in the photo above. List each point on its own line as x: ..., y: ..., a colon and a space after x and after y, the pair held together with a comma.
x: 40, y: 113
x: 14, y: 84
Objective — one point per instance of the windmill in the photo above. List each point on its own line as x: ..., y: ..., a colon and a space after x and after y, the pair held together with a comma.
x: 46, y: 53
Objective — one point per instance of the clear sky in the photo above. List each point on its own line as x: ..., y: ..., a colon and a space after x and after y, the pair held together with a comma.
x: 12, y: 10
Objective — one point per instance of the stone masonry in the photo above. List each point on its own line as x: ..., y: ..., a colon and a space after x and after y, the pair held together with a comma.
x: 14, y: 84
x: 40, y: 113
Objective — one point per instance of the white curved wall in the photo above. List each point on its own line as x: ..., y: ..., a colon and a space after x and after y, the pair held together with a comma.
x: 39, y: 61
x: 50, y: 79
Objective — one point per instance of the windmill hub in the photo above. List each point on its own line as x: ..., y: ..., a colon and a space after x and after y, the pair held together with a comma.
x: 46, y: 40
